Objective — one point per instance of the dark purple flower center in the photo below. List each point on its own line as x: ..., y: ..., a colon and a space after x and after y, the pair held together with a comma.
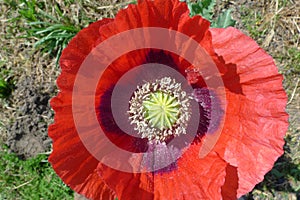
x: 155, y: 113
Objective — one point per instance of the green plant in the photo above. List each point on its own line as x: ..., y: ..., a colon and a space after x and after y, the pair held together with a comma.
x: 294, y: 56
x: 224, y: 20
x: 6, y: 82
x: 205, y: 8
x: 6, y: 87
x: 29, y: 179
x: 52, y: 31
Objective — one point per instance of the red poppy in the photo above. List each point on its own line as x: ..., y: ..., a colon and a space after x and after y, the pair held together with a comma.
x: 240, y: 122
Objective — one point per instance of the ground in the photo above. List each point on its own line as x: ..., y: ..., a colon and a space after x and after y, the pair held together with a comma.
x: 26, y: 114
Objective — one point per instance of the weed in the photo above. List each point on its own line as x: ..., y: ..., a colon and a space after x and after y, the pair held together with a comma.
x: 51, y: 30
x: 224, y: 20
x: 29, y: 179
x: 205, y: 8
x: 294, y: 56
x: 252, y: 22
x: 5, y: 89
x: 6, y: 83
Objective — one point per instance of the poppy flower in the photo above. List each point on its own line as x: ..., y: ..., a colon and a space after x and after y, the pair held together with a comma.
x: 155, y: 104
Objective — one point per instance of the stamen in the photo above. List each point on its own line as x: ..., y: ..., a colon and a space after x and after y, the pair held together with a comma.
x: 160, y: 109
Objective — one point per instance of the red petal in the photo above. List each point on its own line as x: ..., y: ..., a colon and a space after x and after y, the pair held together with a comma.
x: 72, y: 162
x: 194, y: 179
x: 70, y: 159
x: 164, y: 14
x: 256, y: 121
x: 95, y: 188
x: 229, y: 189
x: 76, y: 51
x: 128, y: 186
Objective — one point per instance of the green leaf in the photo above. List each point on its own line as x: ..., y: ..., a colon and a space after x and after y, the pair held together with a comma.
x: 37, y: 23
x: 208, y: 4
x: 133, y: 2
x: 208, y: 9
x: 48, y: 16
x: 204, y: 8
x: 5, y: 89
x: 195, y: 9
x: 276, y: 173
x: 224, y: 20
